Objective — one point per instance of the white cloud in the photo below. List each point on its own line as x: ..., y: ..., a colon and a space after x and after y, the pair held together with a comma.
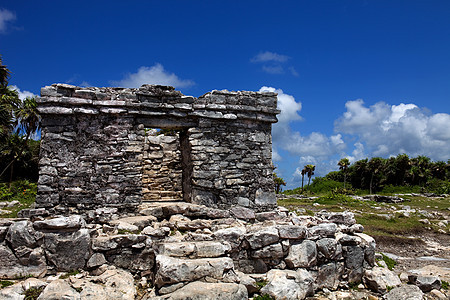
x: 268, y: 56
x: 275, y: 155
x: 23, y: 94
x: 273, y: 69
x: 290, y: 109
x: 293, y: 71
x: 388, y: 130
x: 5, y: 17
x: 152, y: 75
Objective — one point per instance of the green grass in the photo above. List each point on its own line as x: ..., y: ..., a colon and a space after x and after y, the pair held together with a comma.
x: 33, y: 293
x: 22, y: 191
x: 376, y: 225
x: 389, y: 262
x: 5, y: 283
x: 444, y: 285
x: 263, y: 297
x: 68, y: 274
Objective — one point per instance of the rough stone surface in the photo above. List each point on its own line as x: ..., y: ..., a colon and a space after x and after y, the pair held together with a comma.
x: 302, y: 255
x: 405, y: 292
x: 205, y: 291
x: 68, y: 251
x: 173, y: 270
x: 289, y: 285
x: 96, y: 151
x: 378, y: 279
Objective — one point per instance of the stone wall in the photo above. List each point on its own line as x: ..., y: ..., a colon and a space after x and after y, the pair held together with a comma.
x: 93, y: 146
x: 162, y: 173
x: 177, y: 243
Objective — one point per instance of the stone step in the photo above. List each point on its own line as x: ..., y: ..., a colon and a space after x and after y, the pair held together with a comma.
x: 172, y: 270
x: 194, y: 249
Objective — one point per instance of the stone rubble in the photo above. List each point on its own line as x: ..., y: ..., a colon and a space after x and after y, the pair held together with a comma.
x: 218, y: 258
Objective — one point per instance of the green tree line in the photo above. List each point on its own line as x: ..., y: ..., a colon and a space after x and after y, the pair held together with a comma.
x: 19, y: 121
x: 376, y: 173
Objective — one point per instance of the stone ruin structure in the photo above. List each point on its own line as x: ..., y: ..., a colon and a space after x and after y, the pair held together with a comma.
x: 192, y: 213
x: 96, y: 148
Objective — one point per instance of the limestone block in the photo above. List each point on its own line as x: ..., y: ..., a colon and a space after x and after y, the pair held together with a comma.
x: 271, y: 251
x: 70, y: 223
x: 328, y: 276
x: 21, y: 233
x: 322, y: 230
x: 106, y: 243
x: 378, y: 279
x: 329, y: 248
x: 233, y: 235
x: 262, y: 237
x: 173, y: 270
x: 243, y: 213
x: 10, y: 266
x: 292, y: 232
x: 204, y: 291
x: 289, y: 285
x: 302, y: 255
x: 68, y: 251
x: 410, y: 292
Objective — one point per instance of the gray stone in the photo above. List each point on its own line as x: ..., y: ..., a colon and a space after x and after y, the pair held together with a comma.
x: 271, y: 251
x: 289, y: 285
x: 173, y: 270
x: 97, y: 259
x: 233, y: 235
x: 405, y: 292
x: 302, y: 255
x: 262, y: 237
x: 329, y: 248
x: 243, y: 213
x: 328, y: 276
x: 70, y: 223
x: 10, y: 266
x: 322, y: 230
x: 425, y: 283
x: 292, y: 232
x: 205, y: 291
x: 21, y: 233
x: 114, y: 284
x: 68, y: 251
x: 354, y: 259
x: 57, y: 290
x: 379, y: 279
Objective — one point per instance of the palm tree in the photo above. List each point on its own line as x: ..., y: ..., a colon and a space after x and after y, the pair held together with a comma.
x: 278, y: 183
x: 304, y: 171
x: 375, y: 167
x: 310, y: 171
x: 343, y: 166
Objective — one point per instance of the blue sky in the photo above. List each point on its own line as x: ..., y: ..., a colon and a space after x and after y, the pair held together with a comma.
x: 355, y: 78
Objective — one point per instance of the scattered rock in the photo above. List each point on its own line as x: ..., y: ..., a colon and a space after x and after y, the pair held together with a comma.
x: 405, y: 292
x: 380, y: 279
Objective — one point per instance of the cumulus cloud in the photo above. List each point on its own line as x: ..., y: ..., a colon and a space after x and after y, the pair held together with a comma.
x: 268, y: 56
x: 387, y: 130
x: 273, y: 69
x: 23, y: 94
x: 153, y: 75
x: 273, y: 63
x: 6, y: 16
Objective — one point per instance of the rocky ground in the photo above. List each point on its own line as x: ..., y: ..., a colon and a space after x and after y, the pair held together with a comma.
x: 184, y: 251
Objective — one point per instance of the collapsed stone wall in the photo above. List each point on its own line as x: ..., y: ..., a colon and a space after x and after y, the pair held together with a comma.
x: 175, y: 244
x: 93, y: 146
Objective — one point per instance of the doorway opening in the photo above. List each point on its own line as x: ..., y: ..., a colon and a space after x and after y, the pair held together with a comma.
x: 167, y: 167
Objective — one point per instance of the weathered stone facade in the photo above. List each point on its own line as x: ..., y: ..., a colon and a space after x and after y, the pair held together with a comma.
x: 95, y: 151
